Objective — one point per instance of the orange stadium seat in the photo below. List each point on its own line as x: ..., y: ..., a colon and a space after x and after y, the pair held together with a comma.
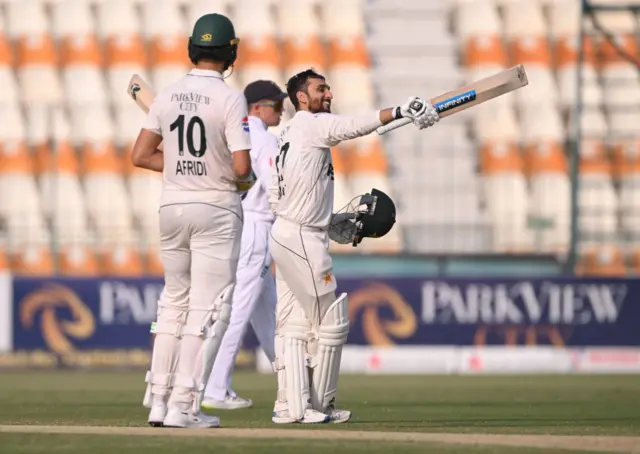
x: 495, y: 123
x: 484, y: 51
x: 500, y: 157
x: 36, y: 60
x: 72, y: 18
x: 550, y: 201
x: 26, y: 227
x: 122, y: 261
x: 258, y: 52
x: 545, y: 157
x: 13, y: 128
x: 144, y: 191
x: 368, y: 169
x: 626, y: 158
x: 564, y: 18
x: 166, y: 31
x: 83, y: 62
x: 125, y: 55
x: 541, y: 122
x: 109, y: 206
x: 606, y: 260
x: 4, y: 260
x: 77, y: 260
x: 33, y: 260
x: 94, y: 123
x: 64, y: 203
x: 476, y: 18
x: 9, y: 93
x: 523, y: 18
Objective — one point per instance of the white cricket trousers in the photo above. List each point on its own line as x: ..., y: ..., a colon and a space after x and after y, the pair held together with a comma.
x: 305, y: 283
x: 254, y: 300
x: 200, y: 249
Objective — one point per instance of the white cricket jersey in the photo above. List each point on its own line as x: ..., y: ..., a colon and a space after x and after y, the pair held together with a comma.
x: 304, y: 169
x: 264, y: 149
x: 202, y: 121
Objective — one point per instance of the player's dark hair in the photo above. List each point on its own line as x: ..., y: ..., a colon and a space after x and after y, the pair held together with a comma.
x: 300, y: 82
x: 221, y: 54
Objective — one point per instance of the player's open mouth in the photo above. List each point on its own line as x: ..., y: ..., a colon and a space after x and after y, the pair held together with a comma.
x: 326, y: 103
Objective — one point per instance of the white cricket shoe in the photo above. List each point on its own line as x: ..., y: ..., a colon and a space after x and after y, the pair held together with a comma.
x: 338, y: 416
x: 186, y: 419
x: 310, y: 417
x: 157, y: 414
x: 229, y: 403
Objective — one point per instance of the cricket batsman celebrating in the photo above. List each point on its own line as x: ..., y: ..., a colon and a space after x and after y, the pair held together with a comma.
x: 255, y: 297
x: 311, y: 322
x: 203, y: 124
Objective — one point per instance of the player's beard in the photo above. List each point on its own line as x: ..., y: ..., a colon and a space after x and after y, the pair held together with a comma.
x: 317, y: 106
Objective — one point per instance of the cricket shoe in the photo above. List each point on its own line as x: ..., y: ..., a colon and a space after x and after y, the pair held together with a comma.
x: 188, y: 420
x: 230, y: 402
x: 338, y: 416
x: 157, y: 414
x: 310, y: 417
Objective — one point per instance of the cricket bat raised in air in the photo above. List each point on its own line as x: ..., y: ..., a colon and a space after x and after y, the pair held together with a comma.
x: 470, y: 95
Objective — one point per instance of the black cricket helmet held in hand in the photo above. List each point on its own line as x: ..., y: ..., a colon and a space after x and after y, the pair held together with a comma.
x: 378, y: 218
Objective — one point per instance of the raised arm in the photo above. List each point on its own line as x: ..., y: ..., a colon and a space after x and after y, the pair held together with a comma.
x: 333, y: 129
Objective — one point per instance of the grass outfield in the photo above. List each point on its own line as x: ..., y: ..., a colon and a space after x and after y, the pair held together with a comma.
x: 545, y: 405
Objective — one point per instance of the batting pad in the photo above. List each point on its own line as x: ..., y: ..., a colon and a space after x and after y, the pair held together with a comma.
x: 213, y: 331
x: 295, y: 368
x: 332, y: 335
x: 167, y: 330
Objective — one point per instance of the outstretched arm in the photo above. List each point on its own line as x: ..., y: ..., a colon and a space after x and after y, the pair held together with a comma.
x: 333, y: 129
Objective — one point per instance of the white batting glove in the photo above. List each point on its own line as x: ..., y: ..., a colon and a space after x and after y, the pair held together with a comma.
x: 429, y: 118
x: 414, y: 107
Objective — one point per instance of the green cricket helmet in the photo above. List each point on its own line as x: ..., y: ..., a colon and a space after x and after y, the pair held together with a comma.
x: 214, y: 37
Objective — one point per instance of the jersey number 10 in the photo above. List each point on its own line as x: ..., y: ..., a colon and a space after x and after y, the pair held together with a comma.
x: 179, y: 125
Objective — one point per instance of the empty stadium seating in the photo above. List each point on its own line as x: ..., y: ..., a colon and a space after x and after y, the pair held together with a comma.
x: 491, y: 179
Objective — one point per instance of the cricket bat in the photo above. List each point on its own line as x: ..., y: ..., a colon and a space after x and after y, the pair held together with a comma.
x: 470, y: 95
x: 141, y: 92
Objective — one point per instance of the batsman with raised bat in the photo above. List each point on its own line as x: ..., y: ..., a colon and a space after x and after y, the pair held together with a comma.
x: 202, y: 123
x: 311, y: 321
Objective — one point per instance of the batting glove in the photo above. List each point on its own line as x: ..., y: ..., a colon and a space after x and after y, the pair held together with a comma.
x: 429, y: 118
x: 413, y: 108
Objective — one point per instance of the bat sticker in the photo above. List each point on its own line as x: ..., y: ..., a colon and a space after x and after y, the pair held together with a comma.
x: 455, y: 101
x: 135, y: 88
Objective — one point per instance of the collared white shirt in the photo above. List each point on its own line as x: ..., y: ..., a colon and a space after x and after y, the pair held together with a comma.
x: 302, y: 187
x: 202, y: 121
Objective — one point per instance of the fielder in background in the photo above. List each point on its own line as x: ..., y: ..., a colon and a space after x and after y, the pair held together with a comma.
x: 311, y: 322
x: 255, y: 296
x: 203, y: 124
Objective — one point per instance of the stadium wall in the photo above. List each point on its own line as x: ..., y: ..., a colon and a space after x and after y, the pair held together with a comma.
x: 399, y: 325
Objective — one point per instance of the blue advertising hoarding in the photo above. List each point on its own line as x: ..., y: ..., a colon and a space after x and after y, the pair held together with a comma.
x: 106, y: 321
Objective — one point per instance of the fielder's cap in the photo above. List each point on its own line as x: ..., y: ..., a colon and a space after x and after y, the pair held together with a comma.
x: 263, y: 90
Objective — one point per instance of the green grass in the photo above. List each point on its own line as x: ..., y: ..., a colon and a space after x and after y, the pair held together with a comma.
x: 586, y: 405
x: 504, y: 404
x: 82, y: 444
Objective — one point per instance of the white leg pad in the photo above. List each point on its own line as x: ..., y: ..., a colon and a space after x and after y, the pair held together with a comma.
x: 296, y: 336
x: 332, y: 335
x: 167, y: 330
x: 212, y: 331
